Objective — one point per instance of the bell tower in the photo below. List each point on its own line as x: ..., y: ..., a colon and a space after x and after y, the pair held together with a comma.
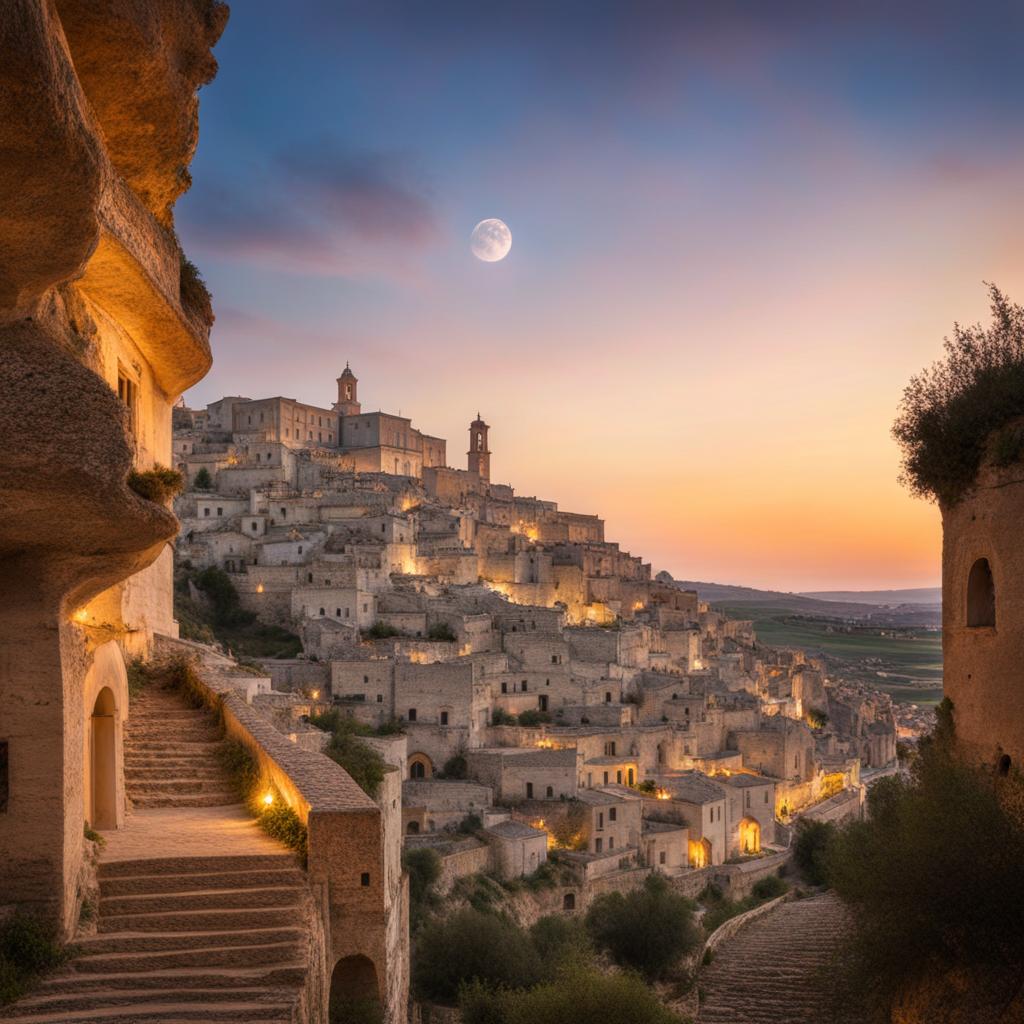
x: 348, y: 394
x: 479, y: 453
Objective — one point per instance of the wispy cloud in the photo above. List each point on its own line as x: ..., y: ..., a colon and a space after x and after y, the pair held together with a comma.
x: 317, y: 210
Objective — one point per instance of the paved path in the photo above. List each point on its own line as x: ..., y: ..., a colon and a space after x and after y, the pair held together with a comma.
x: 775, y: 969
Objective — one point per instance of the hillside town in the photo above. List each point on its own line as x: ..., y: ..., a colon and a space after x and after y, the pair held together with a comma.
x: 531, y: 666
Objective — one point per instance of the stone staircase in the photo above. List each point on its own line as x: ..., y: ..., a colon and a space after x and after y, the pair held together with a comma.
x: 171, y: 754
x: 211, y: 937
x: 775, y: 969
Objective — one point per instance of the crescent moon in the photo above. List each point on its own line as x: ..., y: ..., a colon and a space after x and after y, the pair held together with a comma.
x: 491, y: 240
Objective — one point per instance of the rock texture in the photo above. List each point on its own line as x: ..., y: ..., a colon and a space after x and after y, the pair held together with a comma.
x: 98, y: 106
x: 775, y: 969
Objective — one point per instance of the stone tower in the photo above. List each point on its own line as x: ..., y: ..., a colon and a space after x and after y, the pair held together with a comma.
x: 479, y: 453
x: 983, y: 616
x: 348, y: 394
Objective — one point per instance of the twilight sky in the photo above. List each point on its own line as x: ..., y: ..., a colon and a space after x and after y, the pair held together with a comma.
x: 738, y: 229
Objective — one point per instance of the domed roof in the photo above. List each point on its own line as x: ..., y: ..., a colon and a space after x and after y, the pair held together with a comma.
x: 347, y: 372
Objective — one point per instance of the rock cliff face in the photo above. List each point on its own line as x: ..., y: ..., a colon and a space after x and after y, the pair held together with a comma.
x: 99, y: 113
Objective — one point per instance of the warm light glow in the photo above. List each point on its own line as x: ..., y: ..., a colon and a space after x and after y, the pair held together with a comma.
x: 259, y: 588
x: 663, y: 794
x: 82, y: 615
x: 315, y: 695
x: 268, y: 799
x: 698, y: 854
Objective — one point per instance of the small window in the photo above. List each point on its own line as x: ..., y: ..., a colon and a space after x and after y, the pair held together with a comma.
x: 380, y: 698
x: 322, y: 611
x: 611, y: 813
x: 529, y: 791
x: 412, y: 714
x: 1004, y: 764
x: 206, y: 510
x: 220, y: 511
x: 366, y: 679
x: 504, y: 687
x: 337, y: 613
x: 550, y: 792
x: 611, y: 842
x: 598, y: 845
x: 661, y: 857
x: 444, y: 717
x: 569, y: 901
x: 364, y: 879
x: 608, y: 697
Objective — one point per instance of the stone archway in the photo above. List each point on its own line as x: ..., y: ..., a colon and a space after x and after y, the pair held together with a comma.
x: 105, y: 699
x: 103, y: 761
x: 420, y: 766
x: 750, y: 836
x: 355, y: 991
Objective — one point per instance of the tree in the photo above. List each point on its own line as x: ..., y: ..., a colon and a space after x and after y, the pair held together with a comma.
x: 951, y: 411
x: 577, y: 996
x: 933, y: 874
x: 647, y: 930
x: 810, y: 847
x: 202, y: 480
x: 472, y: 946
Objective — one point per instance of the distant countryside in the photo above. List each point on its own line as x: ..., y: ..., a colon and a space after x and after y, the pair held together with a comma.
x: 890, y: 640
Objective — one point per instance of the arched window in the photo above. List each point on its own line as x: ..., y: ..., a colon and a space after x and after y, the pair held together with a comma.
x: 1004, y: 764
x: 981, y: 595
x: 417, y: 770
x: 569, y: 901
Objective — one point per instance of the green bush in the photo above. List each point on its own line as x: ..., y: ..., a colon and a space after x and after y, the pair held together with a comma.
x: 561, y: 940
x: 28, y: 950
x: 193, y: 293
x: 810, y: 848
x: 158, y: 484
x: 381, y: 630
x: 499, y: 716
x: 424, y: 868
x: 359, y: 759
x: 472, y: 946
x: 770, y: 888
x: 456, y: 767
x: 202, y: 481
x: 441, y: 631
x: 578, y: 996
x: 933, y: 876
x: 533, y: 717
x: 950, y: 410
x: 647, y: 930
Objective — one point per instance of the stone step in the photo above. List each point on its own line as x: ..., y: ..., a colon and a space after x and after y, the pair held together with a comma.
x: 211, y: 956
x: 181, y: 978
x: 172, y: 1012
x: 151, y: 762
x: 159, y: 942
x: 194, y: 865
x: 197, y: 769
x: 179, y: 784
x: 200, y: 920
x: 170, y: 746
x: 139, y: 885
x: 223, y: 799
x: 101, y: 999
x: 201, y: 899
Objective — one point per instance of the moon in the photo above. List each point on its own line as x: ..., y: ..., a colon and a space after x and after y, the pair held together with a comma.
x: 491, y: 240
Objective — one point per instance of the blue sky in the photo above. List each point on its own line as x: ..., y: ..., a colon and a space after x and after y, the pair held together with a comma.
x: 737, y: 231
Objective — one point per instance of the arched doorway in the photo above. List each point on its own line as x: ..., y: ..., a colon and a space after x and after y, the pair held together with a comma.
x: 750, y: 836
x: 355, y: 994
x: 103, y: 761
x: 700, y: 853
x: 420, y: 766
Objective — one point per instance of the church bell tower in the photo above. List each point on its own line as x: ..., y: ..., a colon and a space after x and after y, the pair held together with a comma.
x: 348, y: 394
x: 479, y: 453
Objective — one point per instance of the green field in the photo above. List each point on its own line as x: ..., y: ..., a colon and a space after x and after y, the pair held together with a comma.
x: 907, y: 667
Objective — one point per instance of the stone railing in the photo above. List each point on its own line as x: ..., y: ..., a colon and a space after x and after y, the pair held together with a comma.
x: 729, y: 928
